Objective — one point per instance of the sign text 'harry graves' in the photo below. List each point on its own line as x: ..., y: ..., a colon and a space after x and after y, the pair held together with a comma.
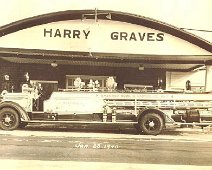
x: 84, y: 34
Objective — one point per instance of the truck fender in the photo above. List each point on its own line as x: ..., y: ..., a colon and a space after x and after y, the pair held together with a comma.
x: 22, y: 113
x: 149, y: 110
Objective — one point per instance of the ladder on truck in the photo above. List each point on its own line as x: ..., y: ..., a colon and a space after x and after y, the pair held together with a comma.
x: 159, y: 101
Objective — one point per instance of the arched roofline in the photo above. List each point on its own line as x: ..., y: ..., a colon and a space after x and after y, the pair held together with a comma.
x: 101, y: 14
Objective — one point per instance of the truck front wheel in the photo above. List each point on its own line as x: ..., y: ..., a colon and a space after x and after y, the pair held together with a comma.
x: 9, y: 119
x: 151, y: 124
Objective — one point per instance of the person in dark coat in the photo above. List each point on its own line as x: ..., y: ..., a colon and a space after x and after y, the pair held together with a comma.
x: 6, y: 85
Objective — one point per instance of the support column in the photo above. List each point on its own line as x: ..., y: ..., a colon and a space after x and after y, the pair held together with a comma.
x: 208, y: 78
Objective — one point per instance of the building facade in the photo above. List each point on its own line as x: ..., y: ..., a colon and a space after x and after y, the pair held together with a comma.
x: 95, y: 44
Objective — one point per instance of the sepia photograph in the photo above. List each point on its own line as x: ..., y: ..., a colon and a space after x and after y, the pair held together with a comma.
x: 104, y: 84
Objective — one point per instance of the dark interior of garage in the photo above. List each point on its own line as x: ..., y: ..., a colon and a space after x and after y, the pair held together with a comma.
x: 46, y: 72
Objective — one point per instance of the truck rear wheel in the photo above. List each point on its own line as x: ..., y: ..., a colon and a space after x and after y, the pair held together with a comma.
x: 151, y: 124
x: 9, y: 119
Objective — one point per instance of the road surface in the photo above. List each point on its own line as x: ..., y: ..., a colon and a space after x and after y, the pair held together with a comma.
x: 108, y: 147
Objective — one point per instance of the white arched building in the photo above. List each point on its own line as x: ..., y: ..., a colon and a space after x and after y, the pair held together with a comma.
x: 94, y: 44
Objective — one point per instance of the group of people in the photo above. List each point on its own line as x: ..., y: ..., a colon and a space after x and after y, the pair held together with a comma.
x: 7, y: 84
x: 94, y: 85
x: 25, y: 87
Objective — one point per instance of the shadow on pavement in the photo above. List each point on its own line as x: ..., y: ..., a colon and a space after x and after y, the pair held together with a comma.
x: 93, y: 128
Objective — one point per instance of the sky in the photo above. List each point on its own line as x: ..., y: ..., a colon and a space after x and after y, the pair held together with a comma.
x: 192, y: 14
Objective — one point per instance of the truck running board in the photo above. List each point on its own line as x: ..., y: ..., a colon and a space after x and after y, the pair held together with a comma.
x: 79, y: 122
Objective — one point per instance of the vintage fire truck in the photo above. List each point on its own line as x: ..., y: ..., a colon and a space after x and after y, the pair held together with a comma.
x: 150, y: 112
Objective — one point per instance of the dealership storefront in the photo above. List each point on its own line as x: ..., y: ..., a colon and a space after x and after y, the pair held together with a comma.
x: 90, y: 44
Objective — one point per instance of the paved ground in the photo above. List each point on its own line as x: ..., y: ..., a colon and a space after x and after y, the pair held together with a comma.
x: 72, y: 165
x: 194, y: 137
x: 102, y: 131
